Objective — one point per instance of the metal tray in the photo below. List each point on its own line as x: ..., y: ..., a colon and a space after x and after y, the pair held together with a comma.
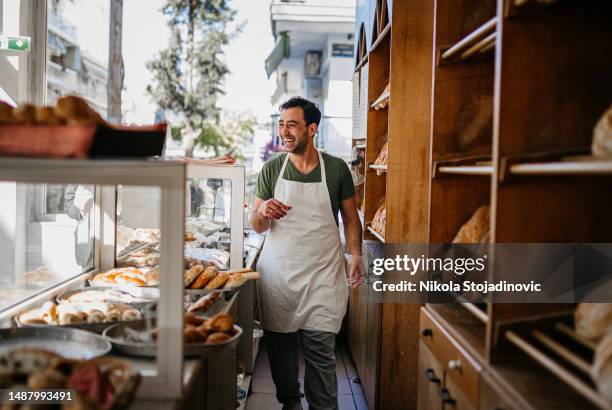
x: 70, y: 343
x: 116, y: 333
x: 147, y: 295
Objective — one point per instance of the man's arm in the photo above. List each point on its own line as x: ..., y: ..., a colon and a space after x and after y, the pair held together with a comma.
x: 352, y: 234
x: 264, y: 211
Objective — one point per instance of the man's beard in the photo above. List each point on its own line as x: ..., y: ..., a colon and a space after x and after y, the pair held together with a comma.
x: 300, y: 148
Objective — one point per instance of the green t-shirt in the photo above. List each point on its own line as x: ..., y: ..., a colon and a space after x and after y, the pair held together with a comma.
x: 339, y: 179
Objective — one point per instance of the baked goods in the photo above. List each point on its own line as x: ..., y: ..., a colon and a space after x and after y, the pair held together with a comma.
x: 67, y: 313
x: 602, y: 136
x: 47, y: 379
x: 128, y: 276
x: 593, y: 320
x: 380, y: 220
x: 206, y: 276
x: 217, y: 337
x: 191, y: 274
x: 204, y: 303
x: 25, y: 114
x: 221, y: 322
x: 75, y: 111
x: 24, y: 361
x: 384, y: 103
x: 382, y: 158
x: 218, y: 281
x: 46, y: 116
x: 601, y: 372
x: 476, y: 228
x: 240, y: 278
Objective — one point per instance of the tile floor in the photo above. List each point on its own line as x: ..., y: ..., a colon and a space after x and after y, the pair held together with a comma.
x: 262, y: 395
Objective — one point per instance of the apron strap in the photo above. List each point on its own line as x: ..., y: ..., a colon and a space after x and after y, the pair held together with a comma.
x: 282, y: 172
x: 323, y: 176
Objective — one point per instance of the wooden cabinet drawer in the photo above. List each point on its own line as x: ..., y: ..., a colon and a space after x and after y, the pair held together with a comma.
x: 430, y: 379
x: 459, y: 366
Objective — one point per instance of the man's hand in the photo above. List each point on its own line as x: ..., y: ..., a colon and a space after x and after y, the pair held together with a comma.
x: 356, y: 270
x: 273, y: 209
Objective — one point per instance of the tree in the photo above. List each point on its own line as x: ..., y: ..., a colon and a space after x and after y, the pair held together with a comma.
x: 188, y: 74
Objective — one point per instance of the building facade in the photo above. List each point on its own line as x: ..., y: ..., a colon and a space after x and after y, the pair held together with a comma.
x: 313, y: 58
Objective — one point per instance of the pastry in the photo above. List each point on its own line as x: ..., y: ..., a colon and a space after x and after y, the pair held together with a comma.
x: 76, y: 111
x: 46, y: 116
x: 191, y: 319
x: 476, y: 228
x: 217, y: 337
x: 95, y: 316
x: 68, y: 314
x: 218, y: 281
x: 194, y: 336
x: 239, y: 278
x: 152, y: 277
x: 602, y: 136
x: 221, y: 322
x: 380, y: 219
x: 113, y: 315
x: 593, y: 320
x: 209, y: 274
x: 25, y: 360
x: 204, y: 303
x: 130, y: 314
x: 25, y: 114
x: 32, y: 317
x: 131, y: 278
x: 47, y: 379
x: 191, y: 274
x: 48, y: 313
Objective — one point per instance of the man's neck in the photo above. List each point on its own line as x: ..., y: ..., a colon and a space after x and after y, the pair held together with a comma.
x: 306, y: 161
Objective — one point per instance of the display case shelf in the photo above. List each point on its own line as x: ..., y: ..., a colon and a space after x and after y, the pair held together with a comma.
x: 381, y: 37
x: 473, y: 42
x: 378, y: 167
x: 467, y: 170
x: 568, y: 167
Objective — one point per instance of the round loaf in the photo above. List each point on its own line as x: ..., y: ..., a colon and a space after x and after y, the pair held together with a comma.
x: 593, y: 320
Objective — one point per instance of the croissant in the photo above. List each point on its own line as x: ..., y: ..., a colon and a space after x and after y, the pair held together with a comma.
x: 221, y: 322
x: 218, y: 281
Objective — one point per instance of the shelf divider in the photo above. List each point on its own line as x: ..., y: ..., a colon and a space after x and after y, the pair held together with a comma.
x: 470, y: 38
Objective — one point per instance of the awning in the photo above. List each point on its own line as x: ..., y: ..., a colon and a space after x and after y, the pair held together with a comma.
x: 56, y: 45
x: 279, y: 52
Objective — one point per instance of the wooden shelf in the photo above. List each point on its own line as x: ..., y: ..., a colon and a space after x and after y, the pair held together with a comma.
x: 376, y: 234
x: 473, y: 39
x: 578, y: 167
x: 381, y: 37
x: 378, y: 167
x: 467, y: 170
x: 555, y: 368
x: 382, y: 98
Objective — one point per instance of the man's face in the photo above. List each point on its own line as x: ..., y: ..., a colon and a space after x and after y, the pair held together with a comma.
x: 294, y: 132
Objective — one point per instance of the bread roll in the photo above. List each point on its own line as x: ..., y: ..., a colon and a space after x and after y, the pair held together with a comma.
x: 113, y: 315
x: 191, y: 319
x: 76, y: 111
x: 68, y: 314
x: 95, y: 316
x: 602, y: 136
x: 46, y: 116
x: 593, y: 320
x: 152, y: 277
x: 221, y: 322
x: 130, y: 314
x: 205, y: 277
x: 191, y: 274
x: 25, y: 114
x: 217, y: 337
x: 476, y: 228
x: 32, y: 317
x: 218, y: 281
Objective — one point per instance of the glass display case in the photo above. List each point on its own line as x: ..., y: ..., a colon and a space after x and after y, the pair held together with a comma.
x: 71, y: 258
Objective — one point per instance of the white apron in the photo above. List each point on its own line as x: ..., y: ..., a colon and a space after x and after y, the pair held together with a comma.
x: 303, y: 281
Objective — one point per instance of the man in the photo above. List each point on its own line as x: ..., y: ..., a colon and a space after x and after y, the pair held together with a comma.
x: 303, y: 288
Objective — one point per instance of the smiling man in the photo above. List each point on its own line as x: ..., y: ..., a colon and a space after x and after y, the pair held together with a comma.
x: 303, y: 289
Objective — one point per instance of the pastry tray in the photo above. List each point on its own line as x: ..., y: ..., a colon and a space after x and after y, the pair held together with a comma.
x: 68, y: 342
x: 146, y: 296
x: 115, y: 335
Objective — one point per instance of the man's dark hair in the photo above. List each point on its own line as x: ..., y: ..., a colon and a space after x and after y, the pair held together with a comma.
x: 311, y: 111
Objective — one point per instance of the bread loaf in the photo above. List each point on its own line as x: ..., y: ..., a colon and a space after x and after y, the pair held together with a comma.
x: 218, y: 282
x: 191, y: 274
x: 76, y: 111
x: 25, y: 114
x: 205, y: 277
x: 593, y: 320
x: 380, y: 220
x: 476, y: 228
x: 602, y: 136
x: 6, y: 114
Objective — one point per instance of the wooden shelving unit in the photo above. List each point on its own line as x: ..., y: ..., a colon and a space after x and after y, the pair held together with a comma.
x: 398, y: 74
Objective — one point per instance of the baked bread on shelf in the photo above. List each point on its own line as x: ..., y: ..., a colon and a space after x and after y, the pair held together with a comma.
x: 593, y: 320
x: 476, y: 228
x: 380, y: 220
x: 602, y: 136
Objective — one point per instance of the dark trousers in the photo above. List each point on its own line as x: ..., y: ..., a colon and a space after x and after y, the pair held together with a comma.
x: 320, y: 382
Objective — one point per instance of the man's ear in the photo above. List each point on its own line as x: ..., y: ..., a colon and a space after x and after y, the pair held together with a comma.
x: 312, y: 129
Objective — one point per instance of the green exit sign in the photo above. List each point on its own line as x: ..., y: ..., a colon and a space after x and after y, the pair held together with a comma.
x: 14, y: 43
